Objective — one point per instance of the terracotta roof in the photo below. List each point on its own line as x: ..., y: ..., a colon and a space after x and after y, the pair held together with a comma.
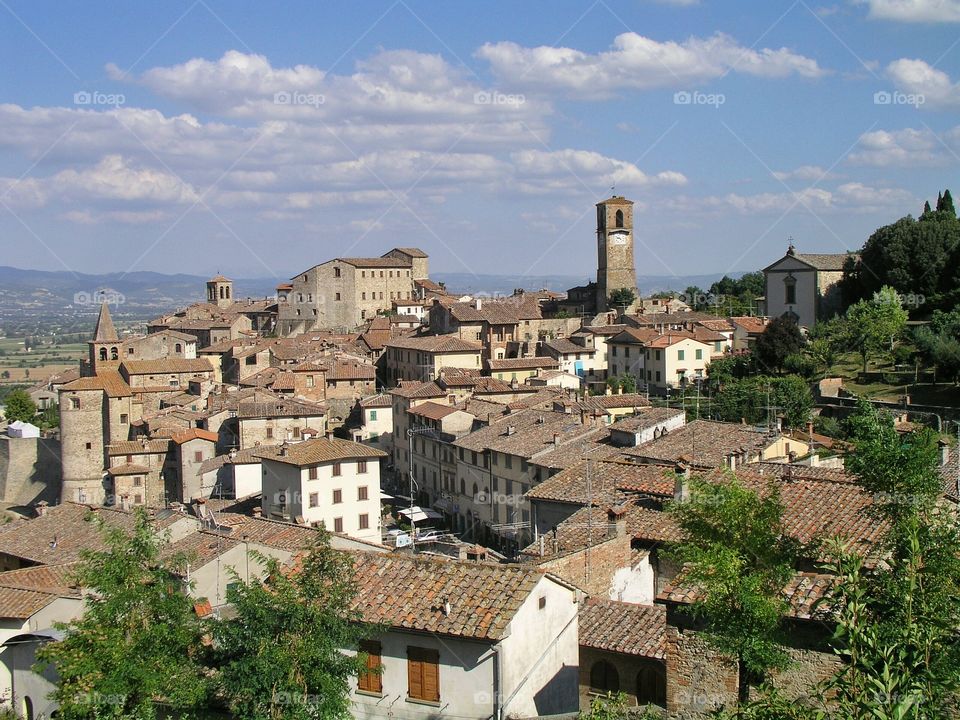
x: 153, y: 446
x: 633, y: 336
x: 826, y: 261
x: 380, y: 262
x: 167, y: 365
x: 533, y: 431
x: 432, y: 410
x: 128, y: 469
x: 351, y: 370
x: 21, y: 604
x: 263, y: 531
x: 567, y: 347
x: 753, y: 325
x: 522, y: 363
x: 109, y: 381
x: 435, y: 344
x: 320, y: 450
x: 412, y: 252
x: 408, y: 593
x: 606, y: 476
x: 717, y: 324
x: 380, y: 400
x: 612, y: 402
x: 594, y: 444
x: 47, y: 578
x: 281, y: 407
x: 624, y: 628
x: 646, y: 418
x: 416, y: 389
x: 195, y: 434
x: 801, y: 592
x: 705, y: 443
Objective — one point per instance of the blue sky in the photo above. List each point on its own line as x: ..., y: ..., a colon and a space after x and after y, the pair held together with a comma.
x: 258, y: 139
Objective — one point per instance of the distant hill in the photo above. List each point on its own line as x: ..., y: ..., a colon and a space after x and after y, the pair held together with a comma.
x: 506, y: 284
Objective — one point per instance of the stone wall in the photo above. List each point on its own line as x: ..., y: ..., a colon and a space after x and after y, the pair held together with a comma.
x: 592, y: 571
x: 699, y: 679
x: 29, y: 470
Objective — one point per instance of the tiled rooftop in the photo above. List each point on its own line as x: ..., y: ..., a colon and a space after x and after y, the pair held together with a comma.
x: 625, y: 628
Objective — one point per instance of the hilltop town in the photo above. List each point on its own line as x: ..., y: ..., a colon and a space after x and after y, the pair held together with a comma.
x: 500, y: 468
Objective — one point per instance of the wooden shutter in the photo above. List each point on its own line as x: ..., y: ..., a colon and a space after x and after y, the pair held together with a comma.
x: 423, y: 672
x: 371, y: 681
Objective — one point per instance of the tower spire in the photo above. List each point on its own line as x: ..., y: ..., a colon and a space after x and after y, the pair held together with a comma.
x: 105, y: 331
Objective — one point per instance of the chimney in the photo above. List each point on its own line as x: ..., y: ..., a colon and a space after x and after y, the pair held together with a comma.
x: 556, y: 439
x: 511, y: 429
x: 617, y: 518
x: 478, y: 304
x: 257, y: 511
x: 944, y: 452
x: 810, y: 428
x: 284, y: 449
x: 233, y: 453
x: 732, y: 461
x: 41, y: 508
x: 681, y: 486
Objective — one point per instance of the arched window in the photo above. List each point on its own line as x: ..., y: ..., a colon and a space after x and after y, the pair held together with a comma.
x: 476, y: 490
x: 27, y: 708
x: 652, y: 686
x: 619, y: 218
x: 221, y: 293
x: 790, y: 290
x: 114, y: 354
x: 656, y: 433
x: 604, y: 678
x: 103, y: 353
x: 228, y: 292
x: 178, y: 347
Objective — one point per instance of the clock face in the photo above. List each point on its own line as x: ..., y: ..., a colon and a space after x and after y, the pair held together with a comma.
x: 619, y: 238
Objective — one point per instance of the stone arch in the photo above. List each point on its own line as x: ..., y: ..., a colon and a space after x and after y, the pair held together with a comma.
x: 604, y: 678
x: 618, y: 218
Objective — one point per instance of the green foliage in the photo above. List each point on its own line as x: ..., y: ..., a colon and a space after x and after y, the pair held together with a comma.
x: 897, y: 622
x: 626, y: 383
x: 749, y: 398
x: 939, y: 344
x: 781, y: 339
x: 280, y: 657
x: 871, y: 325
x: 829, y: 426
x: 607, y: 707
x: 621, y: 297
x: 915, y: 257
x: 736, y: 553
x: 20, y: 406
x: 772, y: 705
x: 137, y: 641
x: 50, y: 417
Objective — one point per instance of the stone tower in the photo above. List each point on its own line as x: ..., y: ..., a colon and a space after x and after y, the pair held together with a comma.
x: 220, y: 291
x: 104, y: 349
x: 615, y: 267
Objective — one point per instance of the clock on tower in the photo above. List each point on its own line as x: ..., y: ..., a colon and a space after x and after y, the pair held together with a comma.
x: 615, y: 262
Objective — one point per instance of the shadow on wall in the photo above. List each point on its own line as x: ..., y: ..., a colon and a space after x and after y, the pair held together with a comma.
x: 561, y: 694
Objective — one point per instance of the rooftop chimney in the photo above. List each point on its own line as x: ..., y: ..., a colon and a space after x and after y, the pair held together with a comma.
x: 556, y: 439
x: 511, y: 430
x: 681, y: 487
x: 478, y: 303
x: 41, y: 508
x: 944, y: 452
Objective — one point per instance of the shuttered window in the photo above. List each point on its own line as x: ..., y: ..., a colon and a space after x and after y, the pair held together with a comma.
x: 423, y: 674
x: 371, y: 680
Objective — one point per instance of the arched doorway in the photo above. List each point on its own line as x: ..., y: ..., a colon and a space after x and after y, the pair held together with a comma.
x: 652, y: 686
x: 604, y: 678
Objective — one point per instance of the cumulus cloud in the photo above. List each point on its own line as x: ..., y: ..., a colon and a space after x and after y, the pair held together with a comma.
x: 847, y: 197
x: 640, y: 63
x: 539, y: 172
x: 919, y: 78
x: 807, y: 173
x: 909, y: 147
x: 920, y: 11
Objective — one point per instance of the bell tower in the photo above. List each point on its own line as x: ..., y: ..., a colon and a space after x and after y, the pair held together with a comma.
x: 220, y: 291
x: 615, y: 265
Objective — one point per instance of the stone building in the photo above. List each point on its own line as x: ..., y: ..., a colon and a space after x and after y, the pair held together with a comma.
x: 421, y: 358
x: 344, y: 292
x: 805, y: 287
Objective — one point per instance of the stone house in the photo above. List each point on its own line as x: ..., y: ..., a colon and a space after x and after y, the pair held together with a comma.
x: 519, y: 369
x: 805, y: 287
x: 344, y: 292
x: 574, y: 358
x: 267, y: 422
x: 487, y: 641
x: 421, y: 358
x: 331, y: 482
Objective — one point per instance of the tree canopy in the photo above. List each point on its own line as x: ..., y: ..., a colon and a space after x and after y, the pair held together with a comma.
x: 20, y: 406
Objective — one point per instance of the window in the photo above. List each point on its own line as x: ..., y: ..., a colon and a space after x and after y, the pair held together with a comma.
x: 314, y: 500
x: 679, y: 354
x: 790, y: 290
x: 312, y: 473
x: 364, y: 522
x: 103, y: 353
x: 361, y: 467
x: 618, y: 218
x: 423, y: 674
x: 373, y: 415
x: 336, y: 272
x: 309, y: 381
x: 123, y: 418
x: 718, y: 346
x: 176, y: 348
x: 362, y: 493
x: 338, y: 525
x: 508, y: 461
x: 131, y: 351
x: 296, y: 433
x: 198, y: 456
x: 604, y: 678
x: 371, y: 681
x: 336, y: 469
x: 269, y: 433
x: 652, y: 686
x: 336, y: 296
x: 337, y: 497
x: 363, y: 296
x: 114, y: 355
x: 698, y: 354
x: 88, y: 446
x: 137, y: 481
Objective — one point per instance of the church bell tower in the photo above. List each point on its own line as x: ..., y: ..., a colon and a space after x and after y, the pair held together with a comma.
x: 615, y: 265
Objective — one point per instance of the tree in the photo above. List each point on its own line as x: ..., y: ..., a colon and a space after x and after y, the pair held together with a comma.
x: 280, y: 657
x: 897, y: 619
x: 792, y: 395
x: 137, y: 643
x: 781, y: 338
x: 20, y: 406
x: 622, y: 297
x: 736, y: 554
x: 874, y: 324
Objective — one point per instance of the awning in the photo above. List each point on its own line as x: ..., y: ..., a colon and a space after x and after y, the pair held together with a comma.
x: 385, y: 496
x: 419, y: 514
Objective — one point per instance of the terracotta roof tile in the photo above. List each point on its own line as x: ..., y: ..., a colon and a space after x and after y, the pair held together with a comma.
x: 319, y: 450
x: 624, y: 628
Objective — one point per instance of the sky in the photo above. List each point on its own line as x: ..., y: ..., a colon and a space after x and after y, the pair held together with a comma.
x: 258, y: 139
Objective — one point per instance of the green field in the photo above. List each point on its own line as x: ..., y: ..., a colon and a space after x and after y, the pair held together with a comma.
x: 44, y: 359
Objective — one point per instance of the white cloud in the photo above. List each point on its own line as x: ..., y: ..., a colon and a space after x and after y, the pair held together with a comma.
x: 638, y: 62
x: 922, y: 11
x: 848, y: 197
x: 113, y: 178
x: 541, y: 172
x: 908, y: 147
x: 919, y: 78
x: 807, y: 173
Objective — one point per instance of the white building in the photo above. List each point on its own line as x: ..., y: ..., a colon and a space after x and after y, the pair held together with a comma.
x: 805, y: 287
x: 330, y: 481
x: 376, y: 421
x: 487, y: 641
